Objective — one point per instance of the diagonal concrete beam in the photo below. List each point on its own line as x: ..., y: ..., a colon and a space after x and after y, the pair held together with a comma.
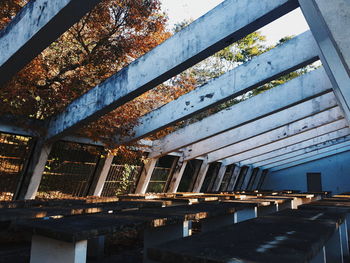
x: 337, y: 125
x: 285, y: 117
x: 145, y: 176
x: 325, y: 139
x: 326, y: 152
x: 264, y: 104
x: 329, y: 22
x: 248, y: 76
x: 313, y: 148
x: 177, y: 175
x: 219, y: 178
x: 200, y: 176
x: 256, y: 179
x: 225, y: 24
x: 35, y: 27
x: 234, y: 178
x: 292, y: 129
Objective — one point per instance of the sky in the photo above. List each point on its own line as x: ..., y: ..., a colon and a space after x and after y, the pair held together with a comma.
x: 179, y: 10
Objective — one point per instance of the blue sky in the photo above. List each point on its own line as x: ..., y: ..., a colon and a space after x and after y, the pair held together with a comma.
x: 179, y: 10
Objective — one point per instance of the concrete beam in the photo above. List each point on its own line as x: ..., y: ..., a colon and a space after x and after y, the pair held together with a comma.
x: 35, y: 27
x: 233, y: 180
x: 177, y: 175
x: 255, y: 161
x: 309, y: 158
x: 34, y: 171
x: 317, y: 146
x: 219, y: 177
x: 254, y: 108
x: 248, y: 76
x: 331, y: 127
x: 223, y: 25
x: 200, y: 176
x: 329, y: 21
x: 259, y: 126
x: 145, y: 176
x: 292, y: 129
x: 103, y: 175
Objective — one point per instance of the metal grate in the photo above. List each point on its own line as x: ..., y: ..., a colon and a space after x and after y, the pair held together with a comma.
x: 14, y: 152
x: 121, y: 179
x: 69, y: 170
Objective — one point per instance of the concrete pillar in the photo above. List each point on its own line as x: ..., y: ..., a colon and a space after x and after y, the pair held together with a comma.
x: 262, y: 178
x: 103, y: 175
x: 34, y: 171
x: 257, y: 179
x: 247, y: 177
x: 177, y: 175
x: 145, y: 176
x: 201, y: 175
x: 51, y: 250
x: 219, y: 177
x: 329, y: 22
x: 234, y: 178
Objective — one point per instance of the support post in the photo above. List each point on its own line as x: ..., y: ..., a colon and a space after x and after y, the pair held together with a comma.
x: 177, y: 175
x: 247, y: 177
x: 34, y: 171
x: 219, y: 177
x: 145, y: 176
x: 234, y: 178
x: 103, y: 175
x: 329, y: 22
x: 201, y: 175
x: 257, y: 179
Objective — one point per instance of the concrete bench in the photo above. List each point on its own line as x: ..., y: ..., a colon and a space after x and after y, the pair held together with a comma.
x: 69, y: 235
x: 267, y: 239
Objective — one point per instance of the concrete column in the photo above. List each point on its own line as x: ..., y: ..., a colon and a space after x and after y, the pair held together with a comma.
x: 177, y: 175
x: 257, y: 179
x: 247, y: 177
x: 51, y: 250
x: 34, y: 171
x: 262, y: 178
x: 219, y: 177
x: 329, y: 22
x: 103, y: 175
x: 201, y: 175
x: 145, y: 176
x: 234, y: 178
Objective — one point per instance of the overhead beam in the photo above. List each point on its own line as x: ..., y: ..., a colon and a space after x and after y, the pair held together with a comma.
x: 261, y: 69
x: 295, y: 154
x: 292, y: 129
x: 329, y: 22
x: 325, y: 139
x: 225, y: 24
x: 259, y: 106
x: 34, y: 28
x: 333, y: 150
x: 246, y: 131
x: 337, y: 125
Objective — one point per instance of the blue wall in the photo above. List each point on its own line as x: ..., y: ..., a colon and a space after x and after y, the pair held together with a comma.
x: 335, y: 174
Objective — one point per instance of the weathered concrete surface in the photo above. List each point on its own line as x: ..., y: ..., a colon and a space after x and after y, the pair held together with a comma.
x: 329, y: 22
x: 254, y: 108
x: 308, y: 154
x: 259, y: 126
x: 223, y: 25
x: 307, y: 149
x: 311, y: 158
x: 336, y: 136
x: 298, y: 127
x: 177, y: 175
x: 247, y: 177
x: 234, y: 178
x: 219, y: 177
x: 35, y: 27
x: 103, y: 175
x: 288, y: 141
x: 201, y: 176
x: 248, y: 76
x: 145, y: 176
x: 34, y: 171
